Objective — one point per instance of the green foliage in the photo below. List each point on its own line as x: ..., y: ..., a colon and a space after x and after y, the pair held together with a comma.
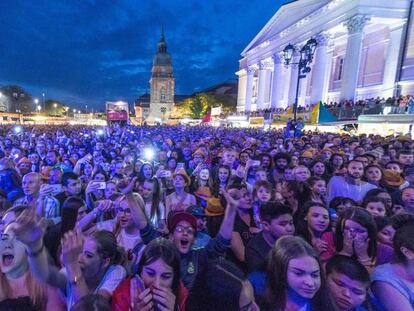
x: 198, y: 107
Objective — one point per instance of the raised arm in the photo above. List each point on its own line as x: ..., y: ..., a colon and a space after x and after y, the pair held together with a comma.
x: 232, y: 197
x: 30, y: 229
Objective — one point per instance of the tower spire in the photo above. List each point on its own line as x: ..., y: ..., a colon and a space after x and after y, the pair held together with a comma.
x: 162, y: 45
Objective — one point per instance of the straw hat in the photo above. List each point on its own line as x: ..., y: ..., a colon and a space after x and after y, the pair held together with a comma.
x: 183, y: 173
x: 214, y: 207
x: 392, y: 178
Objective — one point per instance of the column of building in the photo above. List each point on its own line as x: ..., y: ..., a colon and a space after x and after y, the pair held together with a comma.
x: 249, y: 87
x: 263, y: 80
x: 391, y: 61
x: 293, y: 77
x: 319, y: 67
x: 277, y: 82
x: 355, y: 26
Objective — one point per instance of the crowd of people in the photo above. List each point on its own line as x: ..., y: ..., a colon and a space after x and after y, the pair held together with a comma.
x: 347, y: 109
x: 202, y: 218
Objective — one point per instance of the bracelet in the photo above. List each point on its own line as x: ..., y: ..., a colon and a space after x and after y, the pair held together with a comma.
x: 76, y: 279
x: 36, y: 253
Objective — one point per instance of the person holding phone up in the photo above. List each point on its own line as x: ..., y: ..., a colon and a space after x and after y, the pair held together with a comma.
x: 157, y: 285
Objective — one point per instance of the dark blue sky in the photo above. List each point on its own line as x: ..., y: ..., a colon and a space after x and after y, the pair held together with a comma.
x: 89, y: 51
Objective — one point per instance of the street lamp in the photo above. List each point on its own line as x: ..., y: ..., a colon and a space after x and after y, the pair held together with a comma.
x: 306, y: 57
x: 55, y: 106
x: 44, y: 105
x: 39, y: 108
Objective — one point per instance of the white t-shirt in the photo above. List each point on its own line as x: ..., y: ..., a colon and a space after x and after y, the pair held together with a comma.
x: 127, y: 241
x: 110, y: 281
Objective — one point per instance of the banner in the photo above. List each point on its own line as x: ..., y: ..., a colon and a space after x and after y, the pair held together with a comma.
x: 117, y: 111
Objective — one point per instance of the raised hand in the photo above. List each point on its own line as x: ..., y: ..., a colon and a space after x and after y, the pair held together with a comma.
x: 127, y: 187
x: 72, y: 245
x: 104, y: 205
x: 92, y: 187
x: 232, y: 197
x: 28, y: 228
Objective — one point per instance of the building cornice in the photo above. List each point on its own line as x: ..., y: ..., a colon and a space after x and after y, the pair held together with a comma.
x: 333, y: 14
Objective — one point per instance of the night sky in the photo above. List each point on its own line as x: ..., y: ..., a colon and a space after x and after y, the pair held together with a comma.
x: 90, y: 51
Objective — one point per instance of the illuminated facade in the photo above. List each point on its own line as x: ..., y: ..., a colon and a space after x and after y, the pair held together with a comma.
x: 365, y: 49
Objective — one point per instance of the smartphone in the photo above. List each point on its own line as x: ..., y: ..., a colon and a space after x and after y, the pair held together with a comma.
x: 179, y: 166
x: 89, y: 156
x: 255, y: 162
x: 137, y: 287
x: 56, y: 188
x: 102, y: 185
x: 166, y: 174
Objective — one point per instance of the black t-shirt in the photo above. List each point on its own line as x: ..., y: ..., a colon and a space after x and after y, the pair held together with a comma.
x: 246, y: 235
x: 243, y: 229
x: 18, y: 304
x: 256, y: 253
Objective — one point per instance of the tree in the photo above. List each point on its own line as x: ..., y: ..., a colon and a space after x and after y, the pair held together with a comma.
x: 55, y: 107
x: 198, y: 107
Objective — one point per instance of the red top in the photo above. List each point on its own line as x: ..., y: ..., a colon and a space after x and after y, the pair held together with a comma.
x: 121, y: 298
x: 329, y: 239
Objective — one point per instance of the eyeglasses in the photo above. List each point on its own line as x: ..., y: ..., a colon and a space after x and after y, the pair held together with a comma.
x: 127, y: 211
x: 181, y: 229
x: 354, y: 231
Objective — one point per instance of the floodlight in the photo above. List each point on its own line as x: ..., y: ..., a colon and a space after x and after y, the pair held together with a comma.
x: 18, y: 129
x: 149, y: 154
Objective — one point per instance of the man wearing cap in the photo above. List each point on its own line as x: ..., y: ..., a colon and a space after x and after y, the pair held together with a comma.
x: 183, y: 227
x: 202, y: 237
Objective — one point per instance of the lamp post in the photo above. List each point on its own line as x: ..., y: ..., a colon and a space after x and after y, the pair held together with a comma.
x: 306, y: 57
x: 44, y: 104
x: 55, y: 106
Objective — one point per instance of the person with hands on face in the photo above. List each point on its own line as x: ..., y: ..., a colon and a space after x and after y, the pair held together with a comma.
x: 356, y: 236
x: 314, y: 227
x: 182, y: 227
x: 92, y: 265
x: 157, y: 285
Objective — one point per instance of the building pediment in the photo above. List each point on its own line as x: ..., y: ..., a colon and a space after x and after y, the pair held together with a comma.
x: 286, y: 16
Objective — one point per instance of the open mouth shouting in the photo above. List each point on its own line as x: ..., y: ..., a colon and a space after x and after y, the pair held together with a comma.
x: 184, y: 245
x: 7, y: 259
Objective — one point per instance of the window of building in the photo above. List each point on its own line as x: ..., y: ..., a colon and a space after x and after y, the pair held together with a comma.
x: 340, y: 68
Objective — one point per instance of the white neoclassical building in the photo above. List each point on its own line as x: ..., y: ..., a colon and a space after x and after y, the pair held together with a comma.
x: 365, y: 49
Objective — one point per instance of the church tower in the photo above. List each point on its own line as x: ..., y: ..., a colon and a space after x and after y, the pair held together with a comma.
x: 162, y: 83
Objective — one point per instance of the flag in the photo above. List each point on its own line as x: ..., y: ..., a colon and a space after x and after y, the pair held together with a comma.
x: 290, y: 110
x: 315, y: 113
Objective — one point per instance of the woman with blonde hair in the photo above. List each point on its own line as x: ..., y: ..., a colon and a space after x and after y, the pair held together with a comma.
x: 19, y: 290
